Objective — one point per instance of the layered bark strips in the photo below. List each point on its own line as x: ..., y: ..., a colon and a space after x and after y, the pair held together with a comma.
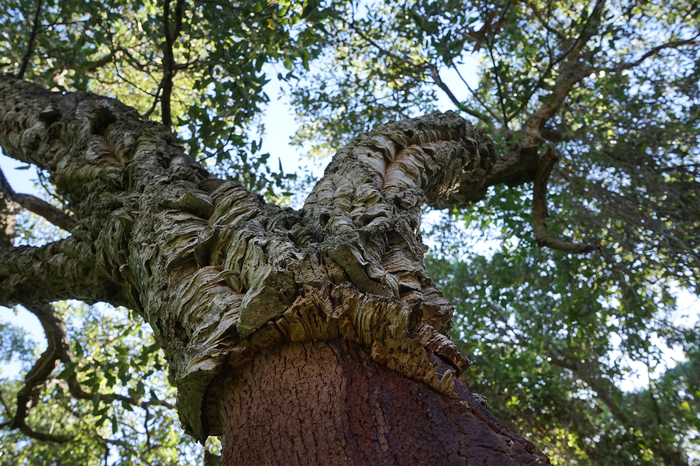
x: 234, y: 287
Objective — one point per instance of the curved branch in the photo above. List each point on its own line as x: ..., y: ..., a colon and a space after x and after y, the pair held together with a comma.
x: 656, y: 50
x: 31, y: 433
x: 39, y: 374
x: 539, y: 209
x: 37, y: 206
x: 58, y: 350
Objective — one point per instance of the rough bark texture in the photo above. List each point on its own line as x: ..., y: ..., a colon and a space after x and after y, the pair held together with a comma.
x: 219, y: 274
x: 329, y: 403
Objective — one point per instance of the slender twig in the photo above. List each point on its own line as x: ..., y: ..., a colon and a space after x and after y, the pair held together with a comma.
x: 169, y: 65
x: 154, y: 105
x: 474, y: 94
x: 6, y: 408
x: 542, y: 20
x: 489, y: 47
x: 382, y: 49
x: 501, y: 99
x: 439, y: 82
x: 147, y: 429
x: 30, y: 43
x: 656, y: 50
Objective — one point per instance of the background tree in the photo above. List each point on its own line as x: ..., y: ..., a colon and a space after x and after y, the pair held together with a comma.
x: 611, y: 90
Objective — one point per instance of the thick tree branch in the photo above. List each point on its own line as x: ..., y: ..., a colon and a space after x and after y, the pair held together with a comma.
x: 30, y: 41
x: 61, y: 270
x: 539, y: 209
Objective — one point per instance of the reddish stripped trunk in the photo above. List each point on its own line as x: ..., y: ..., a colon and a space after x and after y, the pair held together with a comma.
x: 328, y: 403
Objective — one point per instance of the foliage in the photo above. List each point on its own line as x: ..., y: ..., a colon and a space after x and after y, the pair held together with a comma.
x: 114, y: 354
x: 552, y: 337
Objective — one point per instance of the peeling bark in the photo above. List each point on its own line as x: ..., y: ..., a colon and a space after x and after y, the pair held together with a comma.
x: 221, y: 276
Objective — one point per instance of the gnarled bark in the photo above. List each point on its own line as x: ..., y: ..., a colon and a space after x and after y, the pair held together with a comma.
x: 222, y: 277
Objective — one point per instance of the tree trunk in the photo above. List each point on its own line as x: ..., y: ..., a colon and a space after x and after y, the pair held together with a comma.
x: 235, y: 288
x: 328, y: 403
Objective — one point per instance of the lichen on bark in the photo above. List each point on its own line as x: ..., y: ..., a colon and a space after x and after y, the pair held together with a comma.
x: 218, y: 273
